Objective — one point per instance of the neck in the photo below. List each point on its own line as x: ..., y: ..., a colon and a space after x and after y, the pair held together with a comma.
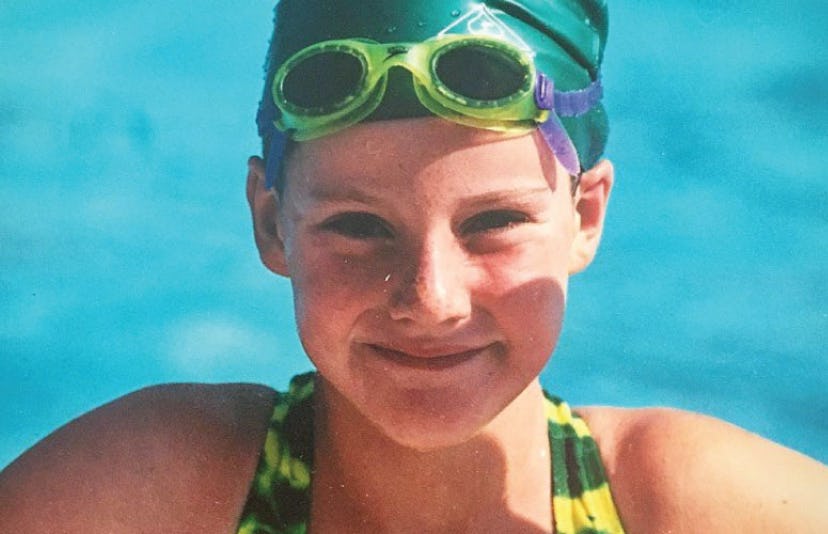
x: 498, y: 481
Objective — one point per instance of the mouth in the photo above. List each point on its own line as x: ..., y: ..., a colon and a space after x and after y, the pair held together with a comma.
x: 434, y: 360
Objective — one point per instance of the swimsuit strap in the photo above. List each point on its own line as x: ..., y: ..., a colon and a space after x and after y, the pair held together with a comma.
x: 581, y: 498
x: 279, y: 498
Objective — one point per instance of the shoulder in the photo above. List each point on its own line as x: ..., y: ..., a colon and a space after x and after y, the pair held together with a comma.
x: 181, y: 455
x: 677, y: 471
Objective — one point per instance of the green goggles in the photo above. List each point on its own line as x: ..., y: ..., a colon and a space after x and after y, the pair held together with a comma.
x: 474, y: 80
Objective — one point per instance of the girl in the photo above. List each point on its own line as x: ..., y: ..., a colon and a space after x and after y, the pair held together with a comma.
x: 432, y: 176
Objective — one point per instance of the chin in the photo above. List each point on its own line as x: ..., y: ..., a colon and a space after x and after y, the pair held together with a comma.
x: 430, y: 420
x: 423, y: 410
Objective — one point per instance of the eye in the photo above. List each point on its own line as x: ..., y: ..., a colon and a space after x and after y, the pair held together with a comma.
x: 493, y: 220
x: 357, y: 225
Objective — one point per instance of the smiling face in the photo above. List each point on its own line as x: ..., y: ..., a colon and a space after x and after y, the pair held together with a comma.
x: 429, y: 265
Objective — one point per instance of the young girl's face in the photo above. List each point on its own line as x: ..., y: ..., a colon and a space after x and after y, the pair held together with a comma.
x: 429, y: 265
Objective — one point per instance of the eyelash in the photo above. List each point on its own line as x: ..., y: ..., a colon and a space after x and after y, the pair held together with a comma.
x: 357, y: 225
x: 493, y: 221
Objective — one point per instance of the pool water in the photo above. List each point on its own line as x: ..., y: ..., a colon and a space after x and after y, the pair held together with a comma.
x: 126, y: 256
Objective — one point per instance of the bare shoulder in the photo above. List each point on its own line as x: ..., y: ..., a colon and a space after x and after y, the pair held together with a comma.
x: 676, y: 471
x: 179, y: 456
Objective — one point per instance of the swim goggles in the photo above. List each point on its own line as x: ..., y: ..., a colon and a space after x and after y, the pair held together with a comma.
x: 474, y: 80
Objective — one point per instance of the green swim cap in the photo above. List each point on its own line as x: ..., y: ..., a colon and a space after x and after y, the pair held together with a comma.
x: 566, y: 36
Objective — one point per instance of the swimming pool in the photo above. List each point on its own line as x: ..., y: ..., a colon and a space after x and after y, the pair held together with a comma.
x: 127, y: 257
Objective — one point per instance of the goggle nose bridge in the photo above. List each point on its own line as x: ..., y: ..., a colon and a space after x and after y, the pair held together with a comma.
x: 407, y: 56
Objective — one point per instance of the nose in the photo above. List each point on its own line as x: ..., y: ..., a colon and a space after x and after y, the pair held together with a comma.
x: 433, y: 285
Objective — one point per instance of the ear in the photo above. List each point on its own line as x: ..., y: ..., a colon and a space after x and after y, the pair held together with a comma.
x: 590, y: 206
x: 264, y: 206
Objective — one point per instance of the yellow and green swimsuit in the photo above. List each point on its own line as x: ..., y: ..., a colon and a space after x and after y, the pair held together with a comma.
x: 279, y: 501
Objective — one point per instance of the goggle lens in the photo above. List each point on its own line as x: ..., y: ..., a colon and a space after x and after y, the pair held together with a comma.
x: 323, y: 81
x: 480, y: 72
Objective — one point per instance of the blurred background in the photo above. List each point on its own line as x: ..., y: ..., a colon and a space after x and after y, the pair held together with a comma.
x: 126, y: 255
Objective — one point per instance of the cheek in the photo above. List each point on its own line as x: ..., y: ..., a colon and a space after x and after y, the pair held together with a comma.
x: 527, y: 295
x: 331, y: 290
x: 541, y: 260
x: 533, y: 310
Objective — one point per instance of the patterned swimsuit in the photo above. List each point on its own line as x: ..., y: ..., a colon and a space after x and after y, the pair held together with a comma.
x: 279, y: 499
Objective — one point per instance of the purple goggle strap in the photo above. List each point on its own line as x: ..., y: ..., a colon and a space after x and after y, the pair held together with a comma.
x: 559, y: 103
x: 564, y: 104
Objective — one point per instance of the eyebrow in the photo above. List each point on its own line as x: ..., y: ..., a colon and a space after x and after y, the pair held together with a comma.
x: 344, y: 193
x: 518, y: 196
x: 341, y: 193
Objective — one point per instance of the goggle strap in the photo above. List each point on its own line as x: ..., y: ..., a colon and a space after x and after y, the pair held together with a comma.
x: 275, y: 151
x: 265, y: 122
x: 567, y: 103
x: 556, y: 137
x: 266, y: 115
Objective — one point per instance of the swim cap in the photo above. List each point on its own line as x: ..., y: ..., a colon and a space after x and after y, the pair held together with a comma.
x: 567, y: 38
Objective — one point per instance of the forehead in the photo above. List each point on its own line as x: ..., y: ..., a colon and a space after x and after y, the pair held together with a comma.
x: 391, y: 152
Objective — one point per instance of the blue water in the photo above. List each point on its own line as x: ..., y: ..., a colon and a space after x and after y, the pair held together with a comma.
x: 126, y: 257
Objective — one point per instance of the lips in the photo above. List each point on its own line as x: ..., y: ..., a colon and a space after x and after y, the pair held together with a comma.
x: 436, y: 358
